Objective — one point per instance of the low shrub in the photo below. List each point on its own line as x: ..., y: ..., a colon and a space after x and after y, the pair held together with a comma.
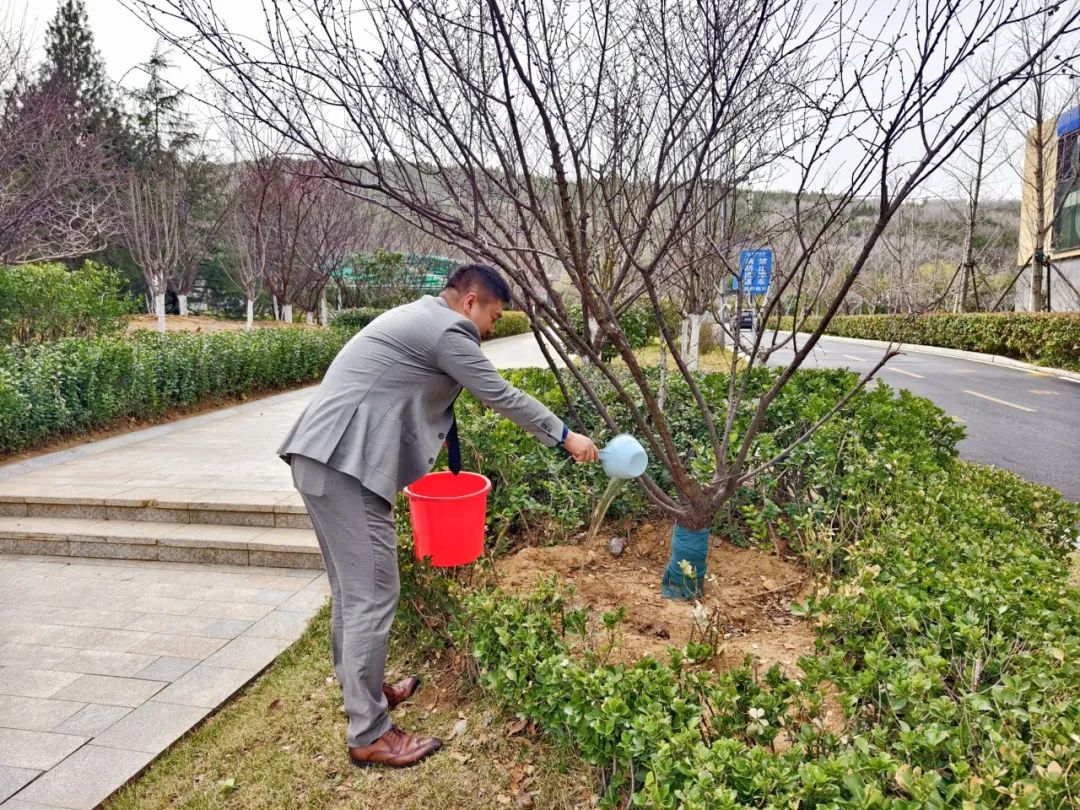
x: 1048, y: 339
x: 80, y: 384
x: 948, y: 666
x: 512, y: 323
x: 638, y: 324
x: 43, y: 302
x: 353, y: 320
x: 951, y: 643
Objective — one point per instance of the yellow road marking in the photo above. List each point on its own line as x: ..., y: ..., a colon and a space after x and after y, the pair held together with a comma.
x: 909, y: 373
x: 1001, y: 401
x: 1039, y: 374
x: 1044, y: 392
x: 958, y: 419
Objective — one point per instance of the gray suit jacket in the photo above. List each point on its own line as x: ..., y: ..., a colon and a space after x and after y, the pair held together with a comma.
x: 384, y: 406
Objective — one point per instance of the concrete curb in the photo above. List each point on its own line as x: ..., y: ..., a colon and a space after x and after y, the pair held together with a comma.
x: 975, y: 357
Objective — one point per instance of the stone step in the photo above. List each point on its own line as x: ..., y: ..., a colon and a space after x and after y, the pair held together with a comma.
x: 158, y: 540
x: 280, y: 510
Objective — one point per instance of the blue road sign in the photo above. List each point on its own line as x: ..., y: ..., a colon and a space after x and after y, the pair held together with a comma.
x: 755, y: 271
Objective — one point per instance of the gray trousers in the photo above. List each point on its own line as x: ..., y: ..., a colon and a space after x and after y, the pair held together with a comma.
x: 356, y: 535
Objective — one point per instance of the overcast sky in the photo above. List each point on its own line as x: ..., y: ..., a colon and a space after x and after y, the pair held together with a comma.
x: 125, y: 42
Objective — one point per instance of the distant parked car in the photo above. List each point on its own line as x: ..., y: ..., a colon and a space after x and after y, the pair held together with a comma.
x: 746, y: 319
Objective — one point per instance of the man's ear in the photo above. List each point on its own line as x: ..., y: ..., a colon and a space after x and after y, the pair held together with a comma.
x: 468, y: 301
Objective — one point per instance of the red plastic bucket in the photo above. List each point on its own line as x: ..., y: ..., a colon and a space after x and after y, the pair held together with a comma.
x: 448, y: 516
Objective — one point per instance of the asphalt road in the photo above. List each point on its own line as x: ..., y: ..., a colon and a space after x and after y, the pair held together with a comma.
x: 1025, y: 421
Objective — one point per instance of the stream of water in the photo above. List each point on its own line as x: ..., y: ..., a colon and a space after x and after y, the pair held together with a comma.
x: 613, y: 487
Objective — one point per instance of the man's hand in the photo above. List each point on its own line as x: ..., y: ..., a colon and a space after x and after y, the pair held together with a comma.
x: 581, y: 447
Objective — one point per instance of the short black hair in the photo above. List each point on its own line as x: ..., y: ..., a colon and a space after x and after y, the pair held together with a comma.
x: 467, y: 277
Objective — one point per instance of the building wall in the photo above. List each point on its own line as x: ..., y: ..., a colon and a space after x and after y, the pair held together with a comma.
x: 1062, y: 298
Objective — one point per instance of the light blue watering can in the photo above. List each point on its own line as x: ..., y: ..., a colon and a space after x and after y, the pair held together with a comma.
x: 624, y: 457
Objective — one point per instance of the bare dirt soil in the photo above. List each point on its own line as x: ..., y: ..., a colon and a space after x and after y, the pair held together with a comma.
x: 748, y: 591
x: 192, y: 323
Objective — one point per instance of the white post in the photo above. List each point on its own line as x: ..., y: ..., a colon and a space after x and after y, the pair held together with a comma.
x: 183, y: 303
x: 308, y: 317
x: 159, y: 308
x: 695, y: 341
x: 250, y: 313
x: 286, y: 313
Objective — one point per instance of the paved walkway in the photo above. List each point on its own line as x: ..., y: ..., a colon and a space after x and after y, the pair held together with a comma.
x: 104, y: 663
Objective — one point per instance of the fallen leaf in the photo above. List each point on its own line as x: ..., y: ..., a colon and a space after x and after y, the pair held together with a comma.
x: 516, y: 727
x: 504, y: 800
x: 459, y: 728
x: 516, y: 776
x: 460, y: 757
x: 525, y: 802
x: 275, y: 704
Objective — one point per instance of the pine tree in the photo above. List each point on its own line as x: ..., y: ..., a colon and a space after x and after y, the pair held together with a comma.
x: 162, y: 127
x: 73, y: 67
x: 74, y: 74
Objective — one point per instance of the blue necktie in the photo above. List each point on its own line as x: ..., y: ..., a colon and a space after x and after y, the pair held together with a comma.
x: 453, y: 446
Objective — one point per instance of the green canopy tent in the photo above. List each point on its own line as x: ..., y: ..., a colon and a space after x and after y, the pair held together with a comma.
x: 424, y: 272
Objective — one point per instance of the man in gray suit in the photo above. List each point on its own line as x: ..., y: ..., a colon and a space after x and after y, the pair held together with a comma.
x: 375, y: 425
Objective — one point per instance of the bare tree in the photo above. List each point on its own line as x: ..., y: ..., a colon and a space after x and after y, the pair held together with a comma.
x: 310, y: 230
x: 163, y: 229
x: 244, y: 232
x: 328, y: 243
x: 206, y: 209
x: 57, y: 180
x: 557, y: 141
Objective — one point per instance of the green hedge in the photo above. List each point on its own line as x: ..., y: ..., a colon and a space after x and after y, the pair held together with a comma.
x: 78, y: 384
x: 356, y: 319
x: 512, y: 323
x: 42, y: 302
x: 949, y: 639
x: 1049, y: 339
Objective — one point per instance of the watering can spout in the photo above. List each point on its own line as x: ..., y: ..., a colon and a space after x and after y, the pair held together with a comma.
x: 624, y: 457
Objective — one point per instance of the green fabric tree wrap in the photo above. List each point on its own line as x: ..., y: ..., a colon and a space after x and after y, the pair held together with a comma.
x: 688, y: 547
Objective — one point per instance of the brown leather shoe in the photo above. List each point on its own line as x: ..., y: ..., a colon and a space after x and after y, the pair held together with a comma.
x: 401, y: 691
x: 395, y: 749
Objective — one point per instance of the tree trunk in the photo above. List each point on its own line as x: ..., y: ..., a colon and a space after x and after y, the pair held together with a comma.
x: 182, y: 299
x: 277, y: 309
x: 324, y: 318
x: 250, y: 313
x: 1036, y: 302
x: 159, y: 309
x: 663, y: 373
x: 684, y: 336
x: 684, y: 577
x: 286, y: 313
x: 695, y: 341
